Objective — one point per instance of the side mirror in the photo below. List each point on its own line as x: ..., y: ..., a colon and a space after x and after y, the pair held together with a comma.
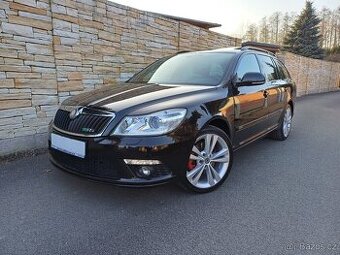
x: 252, y: 79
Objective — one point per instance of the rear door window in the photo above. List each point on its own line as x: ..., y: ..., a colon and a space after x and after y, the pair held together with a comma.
x: 268, y: 67
x: 282, y: 69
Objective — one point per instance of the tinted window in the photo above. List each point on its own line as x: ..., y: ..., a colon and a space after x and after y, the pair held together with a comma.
x: 282, y: 69
x: 199, y: 68
x: 247, y: 64
x: 279, y: 70
x: 268, y: 68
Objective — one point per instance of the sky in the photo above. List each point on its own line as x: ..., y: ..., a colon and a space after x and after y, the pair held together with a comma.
x: 233, y: 15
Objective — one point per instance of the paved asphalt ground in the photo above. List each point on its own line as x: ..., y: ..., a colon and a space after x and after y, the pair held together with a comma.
x: 281, y: 198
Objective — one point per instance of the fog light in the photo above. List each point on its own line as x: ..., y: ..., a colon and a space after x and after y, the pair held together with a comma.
x: 146, y: 171
x: 141, y: 162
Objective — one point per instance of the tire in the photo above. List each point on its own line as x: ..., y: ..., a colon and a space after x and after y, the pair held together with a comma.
x: 209, y: 162
x: 285, y: 126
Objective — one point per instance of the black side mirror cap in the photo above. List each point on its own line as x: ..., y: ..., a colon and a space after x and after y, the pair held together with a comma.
x: 252, y: 79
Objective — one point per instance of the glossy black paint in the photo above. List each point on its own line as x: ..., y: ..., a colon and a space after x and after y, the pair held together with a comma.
x: 116, y: 149
x: 252, y: 79
x: 245, y: 113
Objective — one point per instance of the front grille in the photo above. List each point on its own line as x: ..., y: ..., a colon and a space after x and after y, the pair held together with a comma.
x: 85, y: 124
x: 96, y: 164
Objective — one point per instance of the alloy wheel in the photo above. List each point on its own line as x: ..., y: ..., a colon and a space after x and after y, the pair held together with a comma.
x: 209, y: 161
x: 287, y: 122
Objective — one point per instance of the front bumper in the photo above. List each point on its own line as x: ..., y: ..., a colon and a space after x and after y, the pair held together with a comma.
x: 104, y: 160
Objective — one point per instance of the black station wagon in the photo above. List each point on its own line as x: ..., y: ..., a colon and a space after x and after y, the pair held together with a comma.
x: 181, y: 119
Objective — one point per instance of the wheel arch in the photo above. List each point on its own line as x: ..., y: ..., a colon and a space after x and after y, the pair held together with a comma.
x: 291, y: 103
x: 220, y: 123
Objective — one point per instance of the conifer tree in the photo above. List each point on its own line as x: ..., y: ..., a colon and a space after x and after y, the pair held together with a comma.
x: 304, y: 36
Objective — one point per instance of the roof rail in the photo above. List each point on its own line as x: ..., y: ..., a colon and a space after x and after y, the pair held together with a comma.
x: 257, y: 49
x: 264, y: 47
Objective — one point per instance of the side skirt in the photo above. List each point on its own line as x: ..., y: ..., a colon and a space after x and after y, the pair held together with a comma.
x: 253, y: 139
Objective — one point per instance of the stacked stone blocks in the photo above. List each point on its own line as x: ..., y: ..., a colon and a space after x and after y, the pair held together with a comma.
x: 312, y: 75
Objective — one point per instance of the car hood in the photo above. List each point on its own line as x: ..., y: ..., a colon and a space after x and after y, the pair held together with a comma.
x: 124, y: 96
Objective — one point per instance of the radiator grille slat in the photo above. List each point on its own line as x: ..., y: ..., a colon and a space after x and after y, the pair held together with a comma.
x: 84, y: 124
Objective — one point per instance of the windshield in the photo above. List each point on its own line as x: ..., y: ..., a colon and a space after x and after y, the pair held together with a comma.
x: 197, y: 68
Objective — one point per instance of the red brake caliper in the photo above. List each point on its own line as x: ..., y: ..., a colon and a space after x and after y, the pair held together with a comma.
x: 191, y: 164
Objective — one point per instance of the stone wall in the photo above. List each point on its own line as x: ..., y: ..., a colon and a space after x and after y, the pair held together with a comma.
x: 51, y: 49
x: 312, y: 75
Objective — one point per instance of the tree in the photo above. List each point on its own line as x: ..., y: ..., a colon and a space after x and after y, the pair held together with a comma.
x: 251, y: 33
x: 325, y: 26
x: 276, y: 28
x: 264, y: 31
x: 274, y: 23
x: 304, y: 37
x: 286, y: 21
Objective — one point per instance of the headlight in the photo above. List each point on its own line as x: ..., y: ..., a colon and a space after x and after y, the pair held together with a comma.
x: 157, y: 123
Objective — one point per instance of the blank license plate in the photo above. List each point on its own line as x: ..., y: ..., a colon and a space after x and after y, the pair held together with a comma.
x: 68, y: 145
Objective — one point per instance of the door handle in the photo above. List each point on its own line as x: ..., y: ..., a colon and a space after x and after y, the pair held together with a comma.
x: 265, y: 93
